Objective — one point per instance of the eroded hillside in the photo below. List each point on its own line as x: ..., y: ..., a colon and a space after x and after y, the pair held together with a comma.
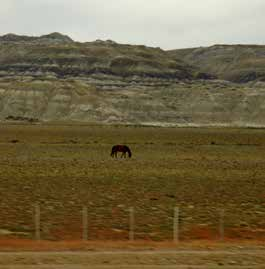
x: 237, y: 63
x: 53, y: 78
x: 57, y: 56
x: 177, y: 104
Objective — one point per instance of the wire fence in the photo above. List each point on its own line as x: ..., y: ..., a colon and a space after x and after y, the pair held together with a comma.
x: 132, y: 235
x: 87, y: 222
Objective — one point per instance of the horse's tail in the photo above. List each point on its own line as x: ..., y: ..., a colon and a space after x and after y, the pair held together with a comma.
x: 112, y: 151
x: 129, y: 152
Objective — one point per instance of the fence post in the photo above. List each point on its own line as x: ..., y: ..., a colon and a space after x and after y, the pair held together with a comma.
x: 131, y: 225
x: 37, y: 221
x: 176, y: 225
x: 221, y: 225
x: 85, y: 223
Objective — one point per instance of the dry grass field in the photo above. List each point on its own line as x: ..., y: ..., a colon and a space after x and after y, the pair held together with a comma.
x: 66, y: 167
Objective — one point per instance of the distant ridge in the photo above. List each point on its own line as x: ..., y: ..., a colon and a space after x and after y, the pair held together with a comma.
x: 236, y: 63
x: 55, y: 37
x: 60, y: 56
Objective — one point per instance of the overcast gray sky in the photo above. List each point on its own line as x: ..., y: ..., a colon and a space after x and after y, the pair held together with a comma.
x: 160, y: 23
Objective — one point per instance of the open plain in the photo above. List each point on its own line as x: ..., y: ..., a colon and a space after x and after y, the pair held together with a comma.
x: 66, y: 167
x: 63, y: 168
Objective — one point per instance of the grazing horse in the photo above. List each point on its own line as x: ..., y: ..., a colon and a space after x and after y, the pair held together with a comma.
x: 120, y: 148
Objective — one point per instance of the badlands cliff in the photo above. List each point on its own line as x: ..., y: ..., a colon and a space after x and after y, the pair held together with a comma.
x: 53, y: 78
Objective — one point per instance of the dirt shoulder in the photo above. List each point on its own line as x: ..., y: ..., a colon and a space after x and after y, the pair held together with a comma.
x: 197, y: 256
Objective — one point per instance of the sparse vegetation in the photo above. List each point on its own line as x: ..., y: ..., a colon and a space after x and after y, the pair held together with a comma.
x: 66, y: 167
x: 237, y: 63
x: 71, y: 59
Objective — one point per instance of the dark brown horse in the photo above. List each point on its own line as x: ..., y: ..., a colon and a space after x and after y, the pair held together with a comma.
x: 120, y: 148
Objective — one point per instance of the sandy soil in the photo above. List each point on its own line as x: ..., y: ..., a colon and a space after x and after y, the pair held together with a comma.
x: 237, y: 258
x: 24, y: 254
